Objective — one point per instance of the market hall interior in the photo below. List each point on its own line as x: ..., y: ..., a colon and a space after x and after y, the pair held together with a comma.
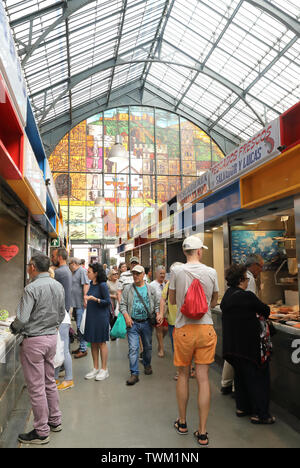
x: 124, y: 127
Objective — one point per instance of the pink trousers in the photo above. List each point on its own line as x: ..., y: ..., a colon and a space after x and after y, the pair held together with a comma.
x: 37, y: 356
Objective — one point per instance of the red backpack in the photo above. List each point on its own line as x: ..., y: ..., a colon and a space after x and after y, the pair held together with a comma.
x: 195, y: 304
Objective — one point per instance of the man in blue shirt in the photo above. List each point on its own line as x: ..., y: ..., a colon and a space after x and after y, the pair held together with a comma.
x: 138, y: 302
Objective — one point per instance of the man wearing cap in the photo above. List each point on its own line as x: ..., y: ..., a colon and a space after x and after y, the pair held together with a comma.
x: 138, y: 302
x: 193, y: 339
x: 126, y: 277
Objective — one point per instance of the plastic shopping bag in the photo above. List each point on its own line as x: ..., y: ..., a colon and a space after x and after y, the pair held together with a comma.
x: 82, y: 324
x: 60, y: 355
x: 119, y: 328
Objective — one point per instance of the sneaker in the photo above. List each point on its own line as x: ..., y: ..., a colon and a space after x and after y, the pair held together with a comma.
x: 148, y: 370
x: 133, y: 379
x: 54, y: 428
x: 92, y: 374
x: 102, y: 374
x: 33, y: 438
x: 65, y: 385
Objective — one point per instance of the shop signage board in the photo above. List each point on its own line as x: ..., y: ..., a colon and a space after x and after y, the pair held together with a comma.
x: 261, y: 147
x: 10, y: 67
x: 196, y: 189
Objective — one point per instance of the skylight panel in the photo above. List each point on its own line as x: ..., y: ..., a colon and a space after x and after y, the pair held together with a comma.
x: 292, y: 6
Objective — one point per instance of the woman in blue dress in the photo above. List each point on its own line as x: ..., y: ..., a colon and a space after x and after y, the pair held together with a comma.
x: 96, y: 329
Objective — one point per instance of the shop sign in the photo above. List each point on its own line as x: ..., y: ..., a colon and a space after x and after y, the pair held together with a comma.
x: 195, y: 190
x: 261, y: 147
x: 33, y: 173
x: 11, y: 68
x: 55, y: 242
x: 8, y: 252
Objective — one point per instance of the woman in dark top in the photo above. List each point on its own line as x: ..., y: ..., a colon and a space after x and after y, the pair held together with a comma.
x: 246, y: 346
x: 96, y: 329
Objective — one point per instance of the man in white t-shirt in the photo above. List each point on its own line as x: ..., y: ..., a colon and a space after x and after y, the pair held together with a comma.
x: 193, y: 339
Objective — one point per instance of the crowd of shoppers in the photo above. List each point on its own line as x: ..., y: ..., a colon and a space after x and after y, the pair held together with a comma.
x: 96, y: 296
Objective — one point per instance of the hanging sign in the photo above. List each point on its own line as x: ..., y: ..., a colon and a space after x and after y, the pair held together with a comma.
x: 8, y: 252
x: 261, y: 147
x: 55, y: 242
x: 196, y: 189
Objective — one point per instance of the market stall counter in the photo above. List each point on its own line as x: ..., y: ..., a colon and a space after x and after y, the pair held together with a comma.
x: 11, y: 375
x: 285, y: 363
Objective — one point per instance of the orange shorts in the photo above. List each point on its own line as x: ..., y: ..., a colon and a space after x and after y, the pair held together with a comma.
x: 196, y: 342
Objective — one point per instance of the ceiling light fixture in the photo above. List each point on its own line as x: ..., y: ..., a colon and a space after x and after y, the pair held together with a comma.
x: 118, y: 151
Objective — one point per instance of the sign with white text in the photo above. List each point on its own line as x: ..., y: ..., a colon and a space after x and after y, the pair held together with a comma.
x: 196, y: 189
x: 261, y: 147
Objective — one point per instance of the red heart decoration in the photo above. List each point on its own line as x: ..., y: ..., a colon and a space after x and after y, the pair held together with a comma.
x: 8, y: 252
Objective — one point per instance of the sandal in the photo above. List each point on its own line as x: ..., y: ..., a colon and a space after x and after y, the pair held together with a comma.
x: 258, y: 420
x: 202, y: 438
x: 178, y: 425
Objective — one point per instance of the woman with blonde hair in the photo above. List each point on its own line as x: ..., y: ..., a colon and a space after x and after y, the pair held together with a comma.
x: 112, y: 284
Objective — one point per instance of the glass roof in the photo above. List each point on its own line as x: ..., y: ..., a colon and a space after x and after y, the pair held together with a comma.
x: 235, y: 63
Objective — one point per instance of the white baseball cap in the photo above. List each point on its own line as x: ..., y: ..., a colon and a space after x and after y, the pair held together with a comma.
x: 138, y: 269
x: 193, y: 243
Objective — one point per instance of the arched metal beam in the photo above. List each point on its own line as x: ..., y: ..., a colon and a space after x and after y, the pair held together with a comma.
x: 111, y: 63
x: 52, y: 132
x: 278, y: 14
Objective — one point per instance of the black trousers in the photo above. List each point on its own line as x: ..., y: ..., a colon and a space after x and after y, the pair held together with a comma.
x: 252, y: 387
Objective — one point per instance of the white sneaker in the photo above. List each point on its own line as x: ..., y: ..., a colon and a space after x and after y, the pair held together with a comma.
x: 92, y: 374
x: 102, y: 374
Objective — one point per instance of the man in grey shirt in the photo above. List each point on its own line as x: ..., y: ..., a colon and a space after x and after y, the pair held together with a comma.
x: 39, y: 314
x: 63, y: 274
x: 80, y: 287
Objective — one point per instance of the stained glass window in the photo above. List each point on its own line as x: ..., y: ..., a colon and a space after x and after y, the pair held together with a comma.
x: 105, y: 197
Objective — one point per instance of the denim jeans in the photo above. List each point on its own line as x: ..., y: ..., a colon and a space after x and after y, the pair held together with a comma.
x: 171, y: 330
x: 143, y: 330
x: 82, y: 342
